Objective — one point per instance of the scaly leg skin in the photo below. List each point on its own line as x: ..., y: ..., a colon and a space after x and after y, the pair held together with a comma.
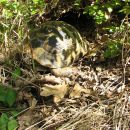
x: 65, y: 72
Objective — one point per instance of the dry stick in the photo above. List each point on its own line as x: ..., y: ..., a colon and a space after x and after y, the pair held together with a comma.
x: 108, y: 86
x: 20, y: 112
x: 121, y: 111
x: 125, y: 36
x: 55, y: 124
x: 46, y: 122
x: 55, y: 116
x: 77, y: 115
x: 24, y: 111
x: 23, y: 78
x: 32, y: 126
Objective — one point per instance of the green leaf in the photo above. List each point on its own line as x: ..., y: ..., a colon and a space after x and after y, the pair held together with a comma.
x: 3, y: 1
x: 10, y: 97
x: 109, y: 9
x: 35, y: 1
x: 2, y: 94
x: 12, y: 124
x: 3, y: 121
x: 113, y: 49
x: 16, y: 73
x: 14, y: 113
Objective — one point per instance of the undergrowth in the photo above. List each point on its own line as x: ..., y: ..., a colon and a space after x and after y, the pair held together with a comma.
x: 14, y: 19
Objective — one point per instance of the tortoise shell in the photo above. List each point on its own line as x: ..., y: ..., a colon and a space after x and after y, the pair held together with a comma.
x: 56, y: 44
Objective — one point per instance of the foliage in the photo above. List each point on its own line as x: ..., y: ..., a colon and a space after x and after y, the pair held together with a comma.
x: 104, y: 13
x: 14, y: 18
x: 7, y: 96
x: 25, y: 9
x: 7, y: 123
x: 16, y: 73
x: 113, y: 49
x: 101, y: 10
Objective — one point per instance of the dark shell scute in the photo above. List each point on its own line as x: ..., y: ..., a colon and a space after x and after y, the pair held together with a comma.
x: 52, y: 41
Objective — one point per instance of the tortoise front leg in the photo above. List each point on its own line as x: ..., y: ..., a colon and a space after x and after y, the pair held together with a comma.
x: 65, y: 72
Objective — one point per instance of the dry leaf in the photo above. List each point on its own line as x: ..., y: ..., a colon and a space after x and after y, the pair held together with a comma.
x: 77, y: 90
x: 33, y: 103
x: 58, y: 91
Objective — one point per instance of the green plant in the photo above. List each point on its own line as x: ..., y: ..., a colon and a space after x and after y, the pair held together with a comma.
x: 7, y: 123
x: 7, y: 96
x: 101, y: 10
x: 113, y: 49
x: 14, y: 18
x: 16, y: 73
x: 106, y: 13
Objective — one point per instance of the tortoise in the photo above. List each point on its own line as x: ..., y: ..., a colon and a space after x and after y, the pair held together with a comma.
x: 57, y: 45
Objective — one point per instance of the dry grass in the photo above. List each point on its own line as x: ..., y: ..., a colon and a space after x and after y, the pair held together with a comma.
x: 107, y: 108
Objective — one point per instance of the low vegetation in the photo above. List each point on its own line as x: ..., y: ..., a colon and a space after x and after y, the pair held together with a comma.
x: 98, y: 97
